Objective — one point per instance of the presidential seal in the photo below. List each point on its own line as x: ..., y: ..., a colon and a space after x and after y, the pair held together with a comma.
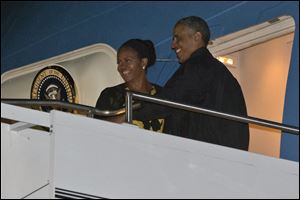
x: 53, y: 83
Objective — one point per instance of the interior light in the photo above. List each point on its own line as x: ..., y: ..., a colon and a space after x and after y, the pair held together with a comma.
x: 229, y: 61
x: 225, y: 60
x: 221, y: 59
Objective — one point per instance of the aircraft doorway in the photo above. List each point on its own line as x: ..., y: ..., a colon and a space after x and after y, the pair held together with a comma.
x: 262, y: 69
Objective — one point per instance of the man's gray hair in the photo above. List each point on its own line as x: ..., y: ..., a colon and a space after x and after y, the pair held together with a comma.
x: 198, y: 25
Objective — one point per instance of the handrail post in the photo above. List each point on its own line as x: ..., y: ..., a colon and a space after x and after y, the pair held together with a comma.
x: 128, y: 106
x: 90, y: 114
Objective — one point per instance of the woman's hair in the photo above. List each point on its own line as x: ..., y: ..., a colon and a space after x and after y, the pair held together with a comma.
x: 143, y: 48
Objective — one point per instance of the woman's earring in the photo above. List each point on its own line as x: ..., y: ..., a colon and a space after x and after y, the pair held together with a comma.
x: 144, y: 67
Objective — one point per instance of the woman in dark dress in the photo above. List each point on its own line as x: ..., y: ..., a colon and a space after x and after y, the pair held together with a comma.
x: 133, y: 58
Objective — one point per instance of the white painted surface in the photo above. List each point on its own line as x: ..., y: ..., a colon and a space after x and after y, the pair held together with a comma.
x: 26, y: 154
x: 252, y: 36
x: 116, y: 161
x: 92, y: 68
x: 18, y: 113
x: 25, y: 162
x: 119, y: 161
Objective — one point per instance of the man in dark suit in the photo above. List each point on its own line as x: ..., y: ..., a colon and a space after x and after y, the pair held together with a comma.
x: 201, y: 81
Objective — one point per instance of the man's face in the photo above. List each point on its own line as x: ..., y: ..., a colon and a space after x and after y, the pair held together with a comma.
x: 185, y: 42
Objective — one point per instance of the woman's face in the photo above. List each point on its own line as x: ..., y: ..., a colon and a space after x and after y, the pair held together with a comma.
x: 130, y: 66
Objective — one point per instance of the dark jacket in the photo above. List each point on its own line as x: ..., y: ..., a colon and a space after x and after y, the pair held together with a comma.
x: 113, y: 98
x: 205, y: 82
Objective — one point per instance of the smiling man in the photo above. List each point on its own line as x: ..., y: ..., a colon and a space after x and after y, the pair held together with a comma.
x: 189, y: 34
x: 201, y: 81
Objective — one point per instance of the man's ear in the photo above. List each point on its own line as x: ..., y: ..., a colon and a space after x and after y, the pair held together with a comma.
x: 198, y: 36
x: 198, y: 39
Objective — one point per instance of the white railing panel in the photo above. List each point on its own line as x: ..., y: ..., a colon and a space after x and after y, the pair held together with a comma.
x: 25, y: 162
x: 120, y: 161
x: 18, y: 113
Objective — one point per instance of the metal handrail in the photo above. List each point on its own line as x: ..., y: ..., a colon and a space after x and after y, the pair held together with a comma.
x: 130, y: 95
x: 66, y: 105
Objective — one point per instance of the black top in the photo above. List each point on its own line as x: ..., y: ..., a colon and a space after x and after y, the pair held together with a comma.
x: 205, y: 82
x: 113, y: 98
